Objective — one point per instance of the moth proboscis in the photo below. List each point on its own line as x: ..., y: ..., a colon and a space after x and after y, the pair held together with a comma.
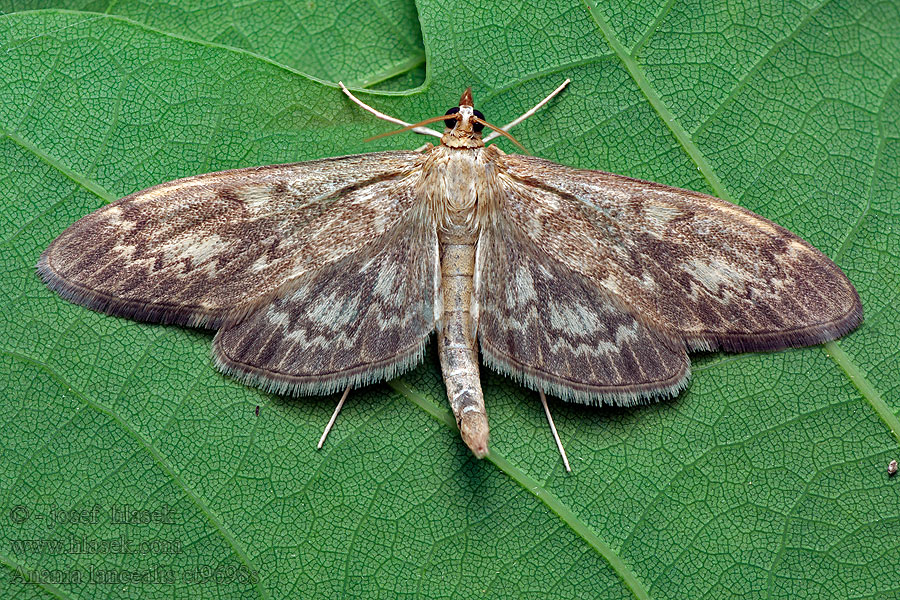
x: 330, y: 274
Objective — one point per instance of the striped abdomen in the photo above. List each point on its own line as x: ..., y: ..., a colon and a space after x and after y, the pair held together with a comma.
x: 456, y: 338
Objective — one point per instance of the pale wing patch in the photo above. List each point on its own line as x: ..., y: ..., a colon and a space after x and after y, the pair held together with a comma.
x: 717, y: 276
x: 199, y: 250
x: 684, y: 263
x: 356, y: 321
x: 554, y: 330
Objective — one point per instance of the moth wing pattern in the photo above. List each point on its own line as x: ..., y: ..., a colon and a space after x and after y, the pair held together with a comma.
x: 557, y: 331
x: 359, y: 320
x: 689, y: 266
x: 201, y: 250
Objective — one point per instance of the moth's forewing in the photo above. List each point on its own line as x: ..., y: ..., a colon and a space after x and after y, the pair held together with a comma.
x: 197, y: 250
x: 688, y: 265
x: 593, y: 285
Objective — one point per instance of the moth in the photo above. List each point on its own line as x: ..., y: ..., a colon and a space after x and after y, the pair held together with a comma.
x: 326, y: 275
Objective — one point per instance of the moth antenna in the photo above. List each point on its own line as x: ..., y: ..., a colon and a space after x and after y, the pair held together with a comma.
x: 333, y: 419
x: 536, y: 108
x: 562, y: 451
x: 501, y: 132
x: 381, y: 115
x: 408, y: 127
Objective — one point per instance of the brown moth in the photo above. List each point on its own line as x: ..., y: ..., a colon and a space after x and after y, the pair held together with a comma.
x: 331, y: 274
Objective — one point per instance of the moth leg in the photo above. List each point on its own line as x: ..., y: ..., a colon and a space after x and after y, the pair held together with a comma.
x: 381, y: 115
x: 562, y: 451
x: 334, y: 416
x: 536, y: 108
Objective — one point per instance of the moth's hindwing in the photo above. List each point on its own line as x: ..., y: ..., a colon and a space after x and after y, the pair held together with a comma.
x: 199, y: 250
x: 555, y: 330
x: 691, y: 266
x: 359, y: 320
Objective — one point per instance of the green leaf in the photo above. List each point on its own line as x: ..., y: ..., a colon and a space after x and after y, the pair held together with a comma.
x: 361, y: 42
x: 767, y: 478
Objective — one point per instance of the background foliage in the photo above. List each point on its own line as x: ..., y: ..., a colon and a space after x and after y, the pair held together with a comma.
x: 765, y: 479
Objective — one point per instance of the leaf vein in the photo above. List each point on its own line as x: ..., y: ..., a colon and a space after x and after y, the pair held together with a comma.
x: 158, y: 458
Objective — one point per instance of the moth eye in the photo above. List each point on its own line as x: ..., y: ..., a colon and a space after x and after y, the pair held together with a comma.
x: 478, y: 126
x: 451, y: 122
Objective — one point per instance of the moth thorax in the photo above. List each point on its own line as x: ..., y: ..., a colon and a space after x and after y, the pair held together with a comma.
x: 459, y: 215
x: 450, y: 185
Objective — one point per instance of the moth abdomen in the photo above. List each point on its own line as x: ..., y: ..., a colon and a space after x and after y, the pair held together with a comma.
x: 456, y: 338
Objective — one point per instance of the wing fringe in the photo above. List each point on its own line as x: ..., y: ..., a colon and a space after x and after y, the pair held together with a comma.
x: 592, y: 395
x: 165, y: 314
x: 320, y: 384
x: 811, y: 335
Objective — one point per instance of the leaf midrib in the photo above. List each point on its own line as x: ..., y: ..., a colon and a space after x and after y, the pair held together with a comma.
x: 416, y: 58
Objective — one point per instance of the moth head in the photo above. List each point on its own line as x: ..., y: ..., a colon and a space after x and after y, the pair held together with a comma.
x: 461, y: 120
x: 464, y: 125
